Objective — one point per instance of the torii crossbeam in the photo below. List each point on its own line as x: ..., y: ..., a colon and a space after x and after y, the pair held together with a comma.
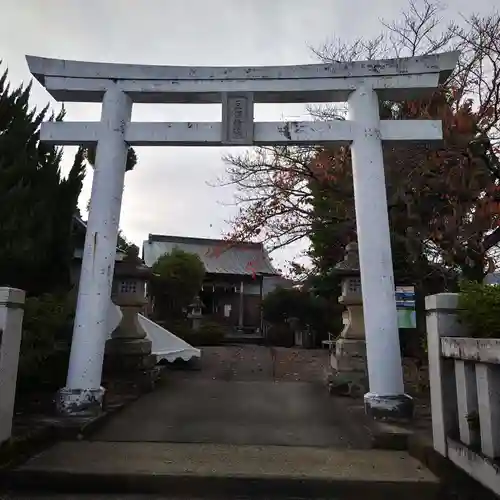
x: 361, y: 84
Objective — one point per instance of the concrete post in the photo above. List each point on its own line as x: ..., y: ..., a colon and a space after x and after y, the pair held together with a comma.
x: 442, y: 321
x: 11, y: 322
x: 488, y: 397
x: 386, y: 397
x: 241, y: 306
x: 83, y: 392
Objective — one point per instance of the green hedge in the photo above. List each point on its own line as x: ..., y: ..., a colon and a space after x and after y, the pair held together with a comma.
x: 307, y: 312
x: 479, y: 309
x: 46, y: 340
x: 209, y: 333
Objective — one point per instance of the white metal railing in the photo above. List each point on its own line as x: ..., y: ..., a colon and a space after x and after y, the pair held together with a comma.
x: 464, y: 375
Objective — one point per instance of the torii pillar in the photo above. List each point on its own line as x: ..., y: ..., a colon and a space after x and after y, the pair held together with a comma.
x: 361, y: 84
x: 387, y: 396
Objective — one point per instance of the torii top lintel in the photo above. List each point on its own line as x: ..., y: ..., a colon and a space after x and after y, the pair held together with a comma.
x: 393, y: 79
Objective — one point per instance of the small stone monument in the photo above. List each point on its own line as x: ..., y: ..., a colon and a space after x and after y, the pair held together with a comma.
x: 348, y: 358
x: 129, y: 350
x: 195, y: 314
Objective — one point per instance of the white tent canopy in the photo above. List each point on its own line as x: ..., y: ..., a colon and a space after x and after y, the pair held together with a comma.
x: 165, y: 345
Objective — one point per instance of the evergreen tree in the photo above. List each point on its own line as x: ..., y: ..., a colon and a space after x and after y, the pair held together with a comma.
x: 36, y: 203
x: 178, y: 277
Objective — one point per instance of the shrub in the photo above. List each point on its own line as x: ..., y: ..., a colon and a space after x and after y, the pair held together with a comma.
x: 46, y: 340
x: 479, y: 309
x: 209, y: 333
x: 179, y: 327
x: 282, y: 304
x: 310, y: 312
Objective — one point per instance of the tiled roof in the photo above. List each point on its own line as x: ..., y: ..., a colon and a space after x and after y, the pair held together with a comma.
x: 219, y: 256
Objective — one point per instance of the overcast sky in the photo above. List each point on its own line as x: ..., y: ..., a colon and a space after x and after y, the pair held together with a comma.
x: 167, y: 193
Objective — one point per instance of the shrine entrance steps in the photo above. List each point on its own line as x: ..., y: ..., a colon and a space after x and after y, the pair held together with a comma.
x: 239, y: 337
x: 190, y: 470
x: 248, y: 424
x: 196, y: 437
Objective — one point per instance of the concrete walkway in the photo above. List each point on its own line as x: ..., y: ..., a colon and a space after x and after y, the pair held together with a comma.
x: 256, y: 413
x: 248, y: 395
x: 253, y: 422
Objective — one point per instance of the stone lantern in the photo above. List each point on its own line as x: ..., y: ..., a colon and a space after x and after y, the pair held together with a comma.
x: 129, y: 349
x: 348, y: 358
x: 195, y: 313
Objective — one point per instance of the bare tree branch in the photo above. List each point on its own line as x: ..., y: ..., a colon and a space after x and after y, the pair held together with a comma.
x: 274, y: 184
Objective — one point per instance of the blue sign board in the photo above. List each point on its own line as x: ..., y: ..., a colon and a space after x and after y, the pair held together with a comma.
x: 405, y: 304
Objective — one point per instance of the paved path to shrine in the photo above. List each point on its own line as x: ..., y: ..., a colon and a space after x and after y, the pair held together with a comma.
x: 253, y: 419
x: 251, y: 395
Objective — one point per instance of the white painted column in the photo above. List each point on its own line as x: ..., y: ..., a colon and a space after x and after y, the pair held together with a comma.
x: 83, y: 392
x: 382, y: 338
x: 11, y: 322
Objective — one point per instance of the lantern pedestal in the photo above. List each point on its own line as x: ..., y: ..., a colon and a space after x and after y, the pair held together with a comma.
x: 129, y: 338
x: 348, y: 356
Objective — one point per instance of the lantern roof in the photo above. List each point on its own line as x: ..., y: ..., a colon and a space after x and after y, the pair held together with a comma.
x: 350, y: 265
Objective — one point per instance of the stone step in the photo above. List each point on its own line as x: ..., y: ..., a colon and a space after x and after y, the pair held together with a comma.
x: 224, y: 471
x: 243, y: 338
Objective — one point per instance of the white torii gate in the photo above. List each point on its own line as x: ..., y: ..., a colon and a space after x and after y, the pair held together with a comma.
x: 361, y: 84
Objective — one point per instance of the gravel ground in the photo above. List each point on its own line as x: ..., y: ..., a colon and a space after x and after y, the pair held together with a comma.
x: 249, y: 363
x: 301, y: 365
